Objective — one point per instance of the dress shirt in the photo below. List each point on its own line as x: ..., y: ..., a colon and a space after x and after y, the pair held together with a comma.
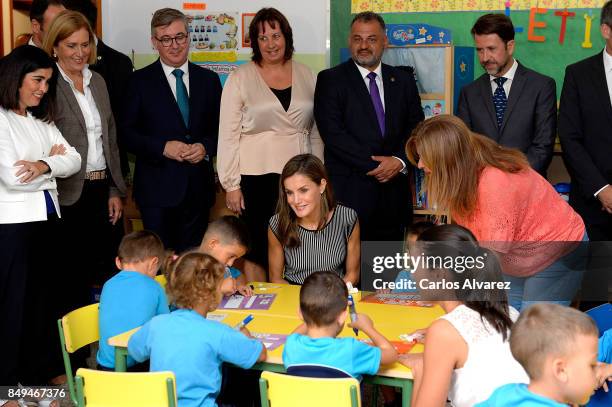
x: 508, y: 75
x: 172, y: 79
x: 93, y: 122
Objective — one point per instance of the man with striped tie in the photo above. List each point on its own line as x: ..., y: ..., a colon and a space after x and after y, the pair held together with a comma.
x: 513, y: 105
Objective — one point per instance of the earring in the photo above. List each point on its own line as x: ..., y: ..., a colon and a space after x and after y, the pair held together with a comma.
x: 54, y: 55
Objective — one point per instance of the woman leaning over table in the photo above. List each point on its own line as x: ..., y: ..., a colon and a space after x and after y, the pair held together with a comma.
x: 33, y: 154
x: 91, y: 199
x: 266, y: 118
x: 492, y: 191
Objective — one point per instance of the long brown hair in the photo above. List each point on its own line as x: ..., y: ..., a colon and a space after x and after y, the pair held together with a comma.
x: 309, y: 166
x: 456, y: 157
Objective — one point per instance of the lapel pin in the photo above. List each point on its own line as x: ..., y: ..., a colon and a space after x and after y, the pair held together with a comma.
x: 392, y: 79
x: 99, y: 58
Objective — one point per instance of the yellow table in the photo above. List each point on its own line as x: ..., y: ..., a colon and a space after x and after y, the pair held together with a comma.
x: 281, y: 318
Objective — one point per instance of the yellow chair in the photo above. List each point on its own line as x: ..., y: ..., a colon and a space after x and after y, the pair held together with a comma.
x: 282, y: 390
x: 97, y: 388
x: 161, y: 279
x: 78, y: 328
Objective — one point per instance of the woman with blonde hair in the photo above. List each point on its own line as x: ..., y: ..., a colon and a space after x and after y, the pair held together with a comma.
x: 90, y: 199
x: 492, y: 191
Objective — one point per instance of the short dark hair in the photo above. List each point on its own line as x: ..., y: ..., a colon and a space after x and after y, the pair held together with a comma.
x: 606, y: 14
x: 229, y: 230
x: 272, y: 16
x: 499, y: 24
x: 418, y: 228
x: 367, y: 16
x: 166, y: 16
x: 14, y: 67
x: 40, y: 6
x: 323, y: 297
x: 85, y: 7
x: 140, y: 245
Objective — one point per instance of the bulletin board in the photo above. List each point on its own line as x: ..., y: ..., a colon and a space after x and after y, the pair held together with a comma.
x: 539, y: 45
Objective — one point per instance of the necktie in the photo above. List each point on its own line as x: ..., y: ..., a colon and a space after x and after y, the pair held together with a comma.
x: 181, y: 95
x: 378, y: 106
x: 500, y: 101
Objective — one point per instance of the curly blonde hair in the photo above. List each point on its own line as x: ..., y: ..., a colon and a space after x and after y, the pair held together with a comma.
x: 193, y: 280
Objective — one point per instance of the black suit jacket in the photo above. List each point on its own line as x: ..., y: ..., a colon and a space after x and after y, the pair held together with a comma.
x: 151, y: 117
x: 585, y: 130
x: 530, y: 120
x: 347, y: 122
x: 116, y: 69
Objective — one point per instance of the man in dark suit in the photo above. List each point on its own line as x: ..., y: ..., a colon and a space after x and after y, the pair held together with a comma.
x: 170, y: 122
x: 42, y: 13
x: 114, y: 67
x: 511, y: 104
x: 365, y: 112
x: 585, y: 130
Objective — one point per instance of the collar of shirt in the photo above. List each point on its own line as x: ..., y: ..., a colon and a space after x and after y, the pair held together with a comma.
x: 378, y: 71
x: 509, y: 75
x: 168, y: 70
x: 365, y: 72
x: 86, y: 76
x: 31, y: 42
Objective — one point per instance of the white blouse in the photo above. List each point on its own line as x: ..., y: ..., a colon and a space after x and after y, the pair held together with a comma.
x: 30, y: 139
x: 93, y: 122
x: 489, y: 363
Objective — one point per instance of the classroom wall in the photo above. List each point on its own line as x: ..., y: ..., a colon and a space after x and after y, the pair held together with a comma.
x: 126, y: 26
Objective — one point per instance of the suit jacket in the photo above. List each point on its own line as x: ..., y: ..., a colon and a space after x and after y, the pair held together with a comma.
x: 71, y: 123
x: 530, y: 120
x: 585, y: 130
x: 151, y: 118
x: 116, y: 69
x: 348, y: 126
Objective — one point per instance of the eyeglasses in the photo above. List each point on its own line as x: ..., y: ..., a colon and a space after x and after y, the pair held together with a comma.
x: 275, y: 37
x: 180, y: 39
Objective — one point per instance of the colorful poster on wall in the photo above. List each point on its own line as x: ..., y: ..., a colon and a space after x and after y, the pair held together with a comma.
x: 432, y: 108
x: 213, y: 31
x: 401, y: 35
x: 246, y: 22
x: 412, y: 6
x: 463, y: 70
x: 223, y: 69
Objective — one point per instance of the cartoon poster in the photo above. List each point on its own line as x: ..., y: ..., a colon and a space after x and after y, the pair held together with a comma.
x: 213, y: 31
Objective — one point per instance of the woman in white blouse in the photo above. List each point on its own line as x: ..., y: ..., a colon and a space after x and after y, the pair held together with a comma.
x: 33, y: 154
x: 266, y: 119
x: 91, y: 199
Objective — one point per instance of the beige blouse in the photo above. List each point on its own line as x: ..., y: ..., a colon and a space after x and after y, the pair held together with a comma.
x: 256, y: 135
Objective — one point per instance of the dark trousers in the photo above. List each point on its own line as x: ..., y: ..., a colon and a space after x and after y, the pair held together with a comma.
x: 389, y: 220
x: 14, y: 268
x: 180, y: 227
x: 598, y: 278
x: 30, y: 275
x: 260, y: 194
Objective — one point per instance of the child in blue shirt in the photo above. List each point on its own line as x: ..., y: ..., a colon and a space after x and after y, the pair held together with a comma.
x: 226, y: 239
x: 604, y: 356
x: 187, y: 343
x: 557, y: 347
x: 131, y: 297
x: 323, y: 308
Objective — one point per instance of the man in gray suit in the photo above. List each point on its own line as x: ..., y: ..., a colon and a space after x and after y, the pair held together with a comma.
x: 511, y: 104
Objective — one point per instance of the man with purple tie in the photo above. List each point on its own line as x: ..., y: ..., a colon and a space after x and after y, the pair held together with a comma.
x: 365, y: 111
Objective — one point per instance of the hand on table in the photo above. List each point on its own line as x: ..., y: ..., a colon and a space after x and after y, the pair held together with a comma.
x: 245, y: 290
x: 414, y: 361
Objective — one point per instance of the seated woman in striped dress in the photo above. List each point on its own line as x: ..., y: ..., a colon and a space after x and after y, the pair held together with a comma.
x: 310, y: 231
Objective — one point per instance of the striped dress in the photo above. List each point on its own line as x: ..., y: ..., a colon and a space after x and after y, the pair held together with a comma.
x: 319, y: 250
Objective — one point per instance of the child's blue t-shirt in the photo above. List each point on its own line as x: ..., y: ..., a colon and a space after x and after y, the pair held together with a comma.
x: 604, y: 353
x: 347, y: 354
x: 128, y: 300
x: 517, y: 395
x: 194, y: 348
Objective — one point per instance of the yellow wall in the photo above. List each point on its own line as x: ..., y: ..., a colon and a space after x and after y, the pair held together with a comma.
x: 6, y: 26
x: 21, y: 23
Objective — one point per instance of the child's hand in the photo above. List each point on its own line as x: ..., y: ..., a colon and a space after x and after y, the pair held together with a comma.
x: 419, y: 335
x: 414, y: 361
x: 603, y: 372
x: 228, y: 286
x: 246, y: 332
x: 245, y: 290
x: 363, y: 323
